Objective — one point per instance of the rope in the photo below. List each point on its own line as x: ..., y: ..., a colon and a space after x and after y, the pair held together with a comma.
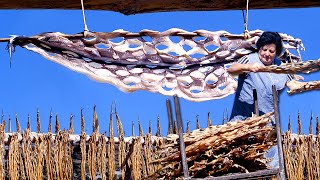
x: 245, y: 19
x: 86, y: 30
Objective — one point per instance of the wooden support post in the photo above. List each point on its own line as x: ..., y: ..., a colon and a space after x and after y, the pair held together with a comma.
x: 170, y: 119
x: 180, y: 132
x: 281, y: 174
x: 255, y: 102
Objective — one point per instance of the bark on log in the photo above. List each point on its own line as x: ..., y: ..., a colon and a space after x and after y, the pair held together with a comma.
x: 147, y: 6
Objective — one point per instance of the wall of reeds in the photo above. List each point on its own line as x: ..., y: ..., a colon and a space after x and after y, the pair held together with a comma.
x: 61, y: 154
x: 215, y: 150
x: 302, y: 151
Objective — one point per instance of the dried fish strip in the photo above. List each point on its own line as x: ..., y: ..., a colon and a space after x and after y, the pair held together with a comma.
x: 312, y: 85
x: 292, y: 68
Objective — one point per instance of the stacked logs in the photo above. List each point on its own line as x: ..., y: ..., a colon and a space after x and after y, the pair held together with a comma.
x: 213, y: 151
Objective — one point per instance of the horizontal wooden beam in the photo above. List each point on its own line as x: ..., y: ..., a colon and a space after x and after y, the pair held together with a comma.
x: 251, y: 175
x: 128, y: 7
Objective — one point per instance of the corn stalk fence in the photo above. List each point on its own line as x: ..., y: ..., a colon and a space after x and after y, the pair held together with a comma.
x: 234, y: 147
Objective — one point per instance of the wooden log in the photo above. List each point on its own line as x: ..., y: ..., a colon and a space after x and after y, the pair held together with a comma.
x: 146, y: 6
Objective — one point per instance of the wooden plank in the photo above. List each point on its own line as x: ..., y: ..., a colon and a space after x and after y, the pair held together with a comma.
x: 146, y: 6
x: 251, y: 175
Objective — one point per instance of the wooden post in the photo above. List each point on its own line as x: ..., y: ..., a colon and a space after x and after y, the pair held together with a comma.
x: 170, y: 119
x: 180, y: 132
x: 281, y: 174
x: 255, y: 102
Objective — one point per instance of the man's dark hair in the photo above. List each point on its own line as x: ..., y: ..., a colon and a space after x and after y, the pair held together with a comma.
x: 270, y: 38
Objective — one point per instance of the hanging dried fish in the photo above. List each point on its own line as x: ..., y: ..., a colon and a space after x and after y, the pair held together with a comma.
x: 170, y: 62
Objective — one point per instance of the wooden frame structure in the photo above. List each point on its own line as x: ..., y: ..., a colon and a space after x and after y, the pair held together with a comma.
x: 279, y: 172
x: 149, y: 6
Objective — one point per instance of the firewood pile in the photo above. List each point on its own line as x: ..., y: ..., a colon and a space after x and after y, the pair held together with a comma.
x: 218, y: 150
x: 212, y: 151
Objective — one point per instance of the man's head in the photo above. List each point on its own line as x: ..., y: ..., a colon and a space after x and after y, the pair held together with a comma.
x: 270, y: 38
x: 269, y: 46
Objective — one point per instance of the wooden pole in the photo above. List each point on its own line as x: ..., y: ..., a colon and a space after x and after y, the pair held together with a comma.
x: 170, y: 119
x: 180, y: 132
x: 255, y: 102
x: 281, y: 174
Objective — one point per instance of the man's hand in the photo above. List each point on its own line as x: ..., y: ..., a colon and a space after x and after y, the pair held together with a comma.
x: 254, y: 67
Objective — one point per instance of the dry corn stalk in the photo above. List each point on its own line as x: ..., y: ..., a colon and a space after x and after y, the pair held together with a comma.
x: 2, y: 151
x: 40, y: 152
x: 111, y: 151
x: 92, y: 155
x: 135, y: 165
x: 102, y: 156
x: 66, y: 155
x: 83, y: 154
x: 121, y: 147
x: 28, y: 155
x: 48, y: 156
x: 13, y: 157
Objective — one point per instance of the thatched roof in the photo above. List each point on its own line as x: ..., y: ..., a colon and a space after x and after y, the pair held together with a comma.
x: 144, y: 6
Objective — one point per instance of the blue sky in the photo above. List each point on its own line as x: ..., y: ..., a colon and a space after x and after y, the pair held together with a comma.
x: 35, y: 83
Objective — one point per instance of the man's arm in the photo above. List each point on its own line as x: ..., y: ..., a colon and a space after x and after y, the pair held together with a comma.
x: 238, y: 68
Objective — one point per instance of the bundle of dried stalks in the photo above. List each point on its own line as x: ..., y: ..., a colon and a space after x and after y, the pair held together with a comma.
x: 111, y: 151
x: 83, y: 154
x: 14, y: 157
x: 102, y: 157
x: 233, y: 147
x: 121, y: 148
x: 28, y: 155
x: 65, y: 156
x: 301, y: 154
x: 39, y: 151
x: 134, y: 162
x: 92, y: 155
x: 2, y: 151
x: 48, y: 156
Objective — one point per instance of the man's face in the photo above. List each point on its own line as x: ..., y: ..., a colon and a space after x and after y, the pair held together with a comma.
x: 267, y: 53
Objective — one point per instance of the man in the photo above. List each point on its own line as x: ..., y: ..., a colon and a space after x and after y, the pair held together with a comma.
x: 269, y: 48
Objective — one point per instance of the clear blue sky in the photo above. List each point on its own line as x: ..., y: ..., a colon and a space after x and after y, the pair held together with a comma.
x: 34, y: 82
